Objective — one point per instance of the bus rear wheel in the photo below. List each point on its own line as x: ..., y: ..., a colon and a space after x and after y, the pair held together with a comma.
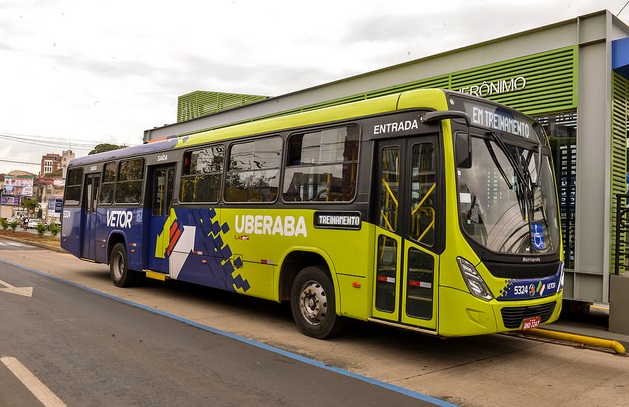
x: 313, y: 304
x: 119, y: 270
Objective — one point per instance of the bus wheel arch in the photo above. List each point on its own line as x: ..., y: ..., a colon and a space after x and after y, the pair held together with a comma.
x: 119, y: 271
x: 313, y: 303
x: 292, y: 264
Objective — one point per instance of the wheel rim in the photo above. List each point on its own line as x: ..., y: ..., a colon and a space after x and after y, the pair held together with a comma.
x: 118, y: 265
x: 313, y: 303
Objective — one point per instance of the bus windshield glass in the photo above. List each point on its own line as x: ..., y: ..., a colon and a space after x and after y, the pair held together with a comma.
x: 507, y: 199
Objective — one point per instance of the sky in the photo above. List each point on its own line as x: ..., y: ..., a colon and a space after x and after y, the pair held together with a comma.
x: 76, y: 73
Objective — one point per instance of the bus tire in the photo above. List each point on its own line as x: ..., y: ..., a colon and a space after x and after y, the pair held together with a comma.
x: 313, y: 304
x: 119, y: 270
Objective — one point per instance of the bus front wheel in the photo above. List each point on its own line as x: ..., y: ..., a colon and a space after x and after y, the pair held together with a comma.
x: 313, y: 304
x: 119, y: 270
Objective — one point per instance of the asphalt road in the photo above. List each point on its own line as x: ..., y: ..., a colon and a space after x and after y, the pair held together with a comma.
x: 493, y: 370
x: 91, y: 350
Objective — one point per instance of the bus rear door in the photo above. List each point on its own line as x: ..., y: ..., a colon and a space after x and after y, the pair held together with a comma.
x: 90, y: 217
x: 407, y: 227
x: 160, y: 198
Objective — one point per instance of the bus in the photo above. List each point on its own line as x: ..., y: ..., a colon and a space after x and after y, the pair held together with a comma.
x: 428, y: 210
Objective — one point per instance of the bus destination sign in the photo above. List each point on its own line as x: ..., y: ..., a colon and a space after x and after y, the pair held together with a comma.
x: 497, y: 118
x: 505, y: 123
x: 337, y: 220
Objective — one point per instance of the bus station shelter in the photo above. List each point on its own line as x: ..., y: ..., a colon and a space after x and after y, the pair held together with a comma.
x: 572, y: 76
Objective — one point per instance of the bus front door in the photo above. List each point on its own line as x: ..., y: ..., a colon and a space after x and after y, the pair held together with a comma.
x: 160, y: 198
x: 406, y: 234
x: 90, y: 217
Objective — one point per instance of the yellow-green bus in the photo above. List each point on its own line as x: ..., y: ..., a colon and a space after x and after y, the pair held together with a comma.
x: 428, y: 210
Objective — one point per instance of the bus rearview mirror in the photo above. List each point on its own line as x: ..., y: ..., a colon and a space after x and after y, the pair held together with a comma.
x: 463, y: 150
x: 462, y: 141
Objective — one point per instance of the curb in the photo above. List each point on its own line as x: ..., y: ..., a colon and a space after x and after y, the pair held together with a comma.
x: 36, y: 244
x: 579, y: 339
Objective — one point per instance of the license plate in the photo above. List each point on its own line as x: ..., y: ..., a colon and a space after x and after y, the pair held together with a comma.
x: 531, y: 323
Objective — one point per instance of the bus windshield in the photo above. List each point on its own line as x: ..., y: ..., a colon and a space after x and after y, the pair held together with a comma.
x: 507, y: 200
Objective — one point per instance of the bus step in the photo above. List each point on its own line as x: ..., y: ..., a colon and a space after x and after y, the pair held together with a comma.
x: 156, y: 276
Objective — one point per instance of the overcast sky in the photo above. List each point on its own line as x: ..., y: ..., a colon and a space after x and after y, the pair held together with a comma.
x: 75, y: 73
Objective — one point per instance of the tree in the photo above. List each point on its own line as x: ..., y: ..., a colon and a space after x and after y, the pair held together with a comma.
x: 101, y: 148
x: 53, y: 174
x: 30, y: 205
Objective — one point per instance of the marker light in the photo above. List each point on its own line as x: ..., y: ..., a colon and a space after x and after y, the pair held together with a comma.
x: 561, y: 278
x: 474, y: 281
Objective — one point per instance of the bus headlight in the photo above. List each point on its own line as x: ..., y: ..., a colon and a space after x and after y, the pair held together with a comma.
x: 474, y: 281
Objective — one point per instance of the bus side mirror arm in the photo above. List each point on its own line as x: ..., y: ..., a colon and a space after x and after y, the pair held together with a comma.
x: 437, y: 116
x: 462, y: 141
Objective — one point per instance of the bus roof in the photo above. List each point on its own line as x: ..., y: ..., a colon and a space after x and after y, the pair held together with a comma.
x: 431, y: 98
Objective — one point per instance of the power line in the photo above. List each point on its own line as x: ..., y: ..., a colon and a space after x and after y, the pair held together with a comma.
x: 19, y: 162
x: 45, y: 137
x: 47, y: 141
x: 623, y: 7
x: 50, y: 143
x: 42, y: 144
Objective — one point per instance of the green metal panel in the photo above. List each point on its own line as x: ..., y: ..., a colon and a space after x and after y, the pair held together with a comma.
x: 202, y: 103
x: 550, y: 80
x: 620, y: 117
x: 434, y: 82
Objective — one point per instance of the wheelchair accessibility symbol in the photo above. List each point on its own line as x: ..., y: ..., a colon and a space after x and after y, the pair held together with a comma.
x: 537, y: 236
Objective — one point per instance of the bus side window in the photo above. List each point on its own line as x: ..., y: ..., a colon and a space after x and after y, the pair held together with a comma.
x: 253, y: 172
x: 322, y: 165
x: 130, y: 181
x: 108, y: 183
x: 202, y: 173
x: 74, y: 184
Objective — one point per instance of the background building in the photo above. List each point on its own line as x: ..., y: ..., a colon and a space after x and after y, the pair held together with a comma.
x: 46, y: 188
x: 53, y: 163
x: 202, y: 103
x: 50, y: 163
x: 17, y: 186
x: 66, y: 156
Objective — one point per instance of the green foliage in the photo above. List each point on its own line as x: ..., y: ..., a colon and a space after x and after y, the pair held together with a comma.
x: 55, y: 228
x: 101, y: 148
x: 53, y: 174
x: 4, y: 223
x: 40, y: 228
x: 13, y: 225
x: 31, y: 204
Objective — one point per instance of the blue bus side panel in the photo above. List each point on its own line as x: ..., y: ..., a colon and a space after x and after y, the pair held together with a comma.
x: 71, y: 231
x: 121, y: 223
x: 192, y: 242
x: 189, y: 245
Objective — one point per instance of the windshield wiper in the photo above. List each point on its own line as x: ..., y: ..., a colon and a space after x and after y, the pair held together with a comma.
x: 517, y: 167
x: 523, y: 186
x: 492, y: 154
